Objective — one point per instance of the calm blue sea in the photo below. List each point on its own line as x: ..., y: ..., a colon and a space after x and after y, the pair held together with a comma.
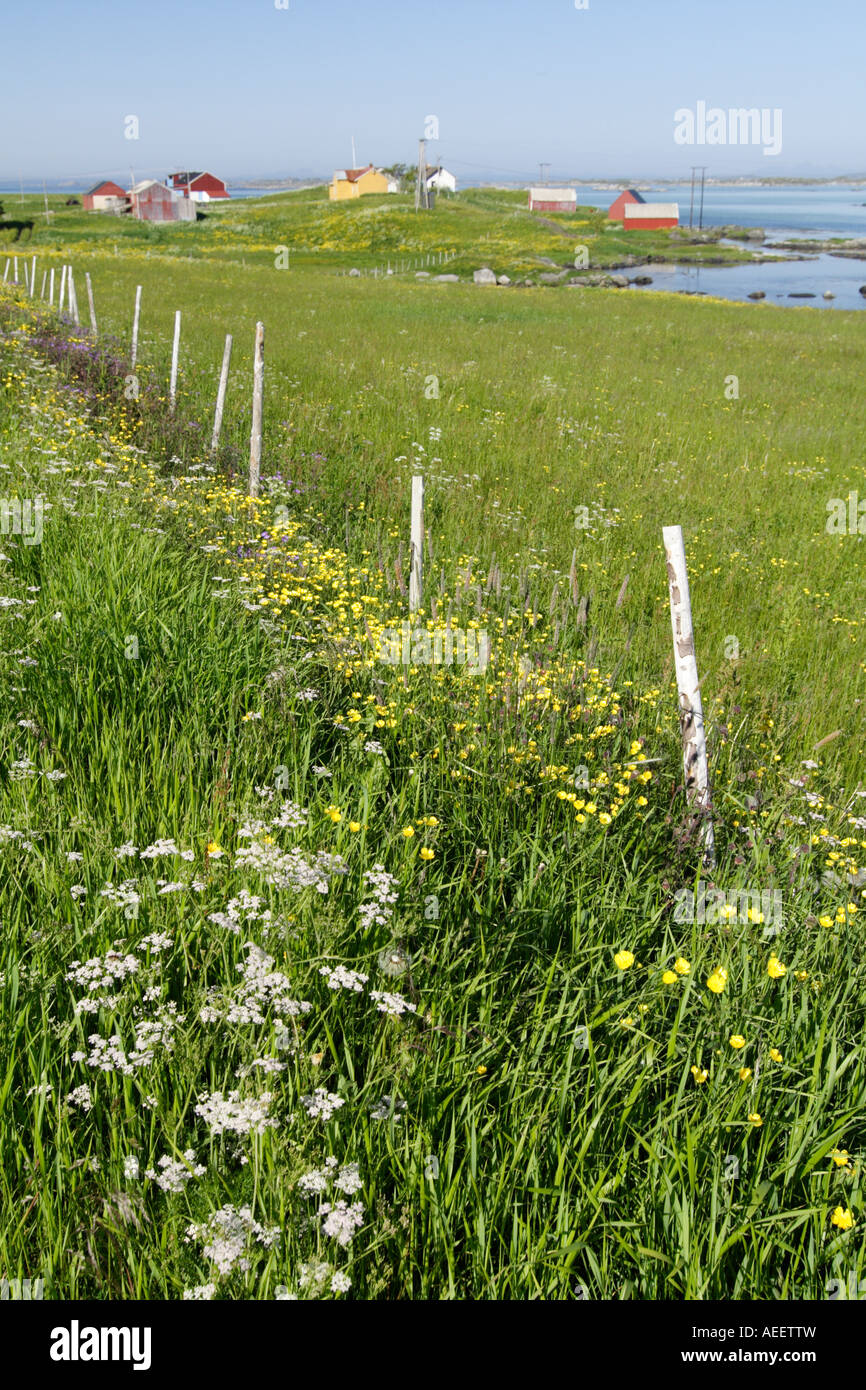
x: 816, y: 210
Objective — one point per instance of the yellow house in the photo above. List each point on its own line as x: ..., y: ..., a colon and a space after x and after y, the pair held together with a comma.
x: 353, y: 183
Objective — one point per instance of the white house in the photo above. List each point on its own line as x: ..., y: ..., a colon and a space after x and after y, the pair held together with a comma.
x: 442, y: 181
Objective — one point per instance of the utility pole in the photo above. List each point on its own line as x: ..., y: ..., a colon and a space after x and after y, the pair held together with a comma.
x: 701, y: 216
x: 692, y: 201
x: 421, y: 198
x: 45, y: 196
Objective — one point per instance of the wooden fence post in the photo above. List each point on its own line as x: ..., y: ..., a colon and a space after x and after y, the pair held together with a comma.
x: 6, y: 270
x: 688, y: 686
x: 73, y: 293
x: 32, y: 277
x: 258, y: 391
x: 51, y: 289
x: 416, y: 548
x: 42, y: 288
x: 93, y: 328
x: 135, y: 319
x: 175, y: 349
x: 221, y: 395
x: 62, y: 298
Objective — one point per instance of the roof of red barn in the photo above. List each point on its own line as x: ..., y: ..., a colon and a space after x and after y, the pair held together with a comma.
x: 188, y: 176
x: 634, y: 193
x: 107, y: 184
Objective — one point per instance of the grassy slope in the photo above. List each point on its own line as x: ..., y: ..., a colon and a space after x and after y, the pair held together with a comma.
x: 558, y: 1163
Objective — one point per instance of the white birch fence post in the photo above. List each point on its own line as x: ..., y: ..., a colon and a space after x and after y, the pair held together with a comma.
x: 51, y: 289
x: 26, y: 280
x: 690, y: 704
x: 93, y: 328
x: 15, y: 270
x: 416, y: 544
x: 221, y: 394
x: 135, y: 319
x: 175, y: 349
x: 258, y: 391
x: 62, y: 298
x: 33, y: 277
x: 42, y: 288
x: 6, y: 270
x: 73, y: 297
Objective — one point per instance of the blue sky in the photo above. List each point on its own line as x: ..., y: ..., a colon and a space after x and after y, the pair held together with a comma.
x: 244, y: 88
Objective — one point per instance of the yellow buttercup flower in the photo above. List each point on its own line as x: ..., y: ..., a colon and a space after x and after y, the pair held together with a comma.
x: 775, y: 1054
x: 775, y: 968
x: 737, y: 1041
x: 745, y: 1073
x: 426, y: 853
x: 334, y: 813
x: 408, y: 831
x: 623, y: 960
x: 354, y: 826
x: 842, y: 1218
x: 670, y: 977
x: 214, y: 851
x: 699, y: 1074
x: 755, y: 1119
x: 717, y: 981
x: 681, y: 966
x: 841, y: 1158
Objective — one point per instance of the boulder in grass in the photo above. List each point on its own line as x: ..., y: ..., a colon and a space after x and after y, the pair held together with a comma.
x: 484, y: 276
x: 446, y: 279
x: 502, y: 280
x: 353, y: 271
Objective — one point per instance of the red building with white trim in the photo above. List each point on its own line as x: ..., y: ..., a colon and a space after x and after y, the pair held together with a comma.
x: 552, y: 200
x: 201, y: 187
x: 106, y: 196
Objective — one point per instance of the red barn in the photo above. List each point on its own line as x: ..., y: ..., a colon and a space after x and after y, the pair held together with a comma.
x: 104, y: 197
x: 616, y: 211
x: 201, y: 187
x: 552, y: 200
x: 650, y: 216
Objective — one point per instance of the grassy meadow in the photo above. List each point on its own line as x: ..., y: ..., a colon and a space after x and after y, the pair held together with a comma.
x: 329, y: 976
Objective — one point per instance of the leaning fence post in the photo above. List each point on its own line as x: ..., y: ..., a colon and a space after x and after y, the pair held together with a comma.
x: 42, y: 288
x: 6, y: 270
x: 416, y: 548
x: 258, y: 390
x: 73, y: 297
x: 688, y: 686
x: 90, y: 302
x: 32, y: 277
x: 221, y: 394
x: 135, y: 319
x: 175, y: 349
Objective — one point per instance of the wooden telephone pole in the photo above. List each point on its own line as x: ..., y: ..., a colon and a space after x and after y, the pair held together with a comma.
x: 422, y: 199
